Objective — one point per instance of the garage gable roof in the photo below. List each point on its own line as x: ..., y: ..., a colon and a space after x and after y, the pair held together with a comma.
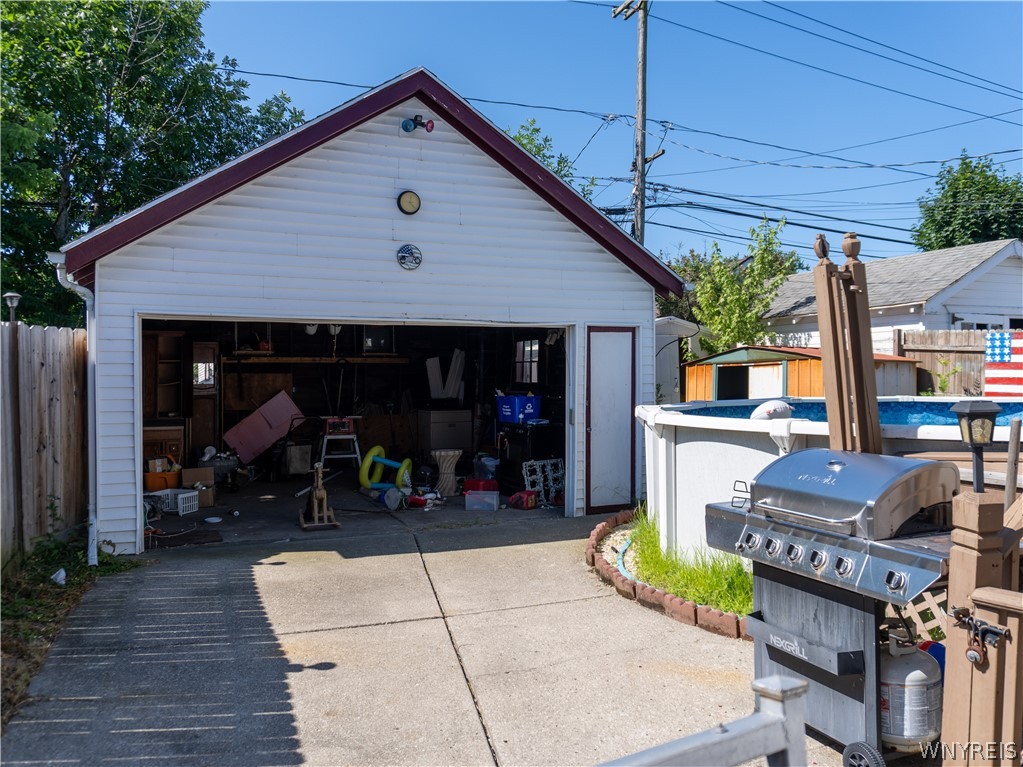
x: 420, y: 84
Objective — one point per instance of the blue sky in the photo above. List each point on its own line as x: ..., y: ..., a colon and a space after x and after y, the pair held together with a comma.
x: 702, y: 81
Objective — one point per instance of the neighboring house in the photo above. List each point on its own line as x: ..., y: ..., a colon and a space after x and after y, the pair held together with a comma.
x: 971, y: 287
x: 757, y: 372
x: 245, y: 270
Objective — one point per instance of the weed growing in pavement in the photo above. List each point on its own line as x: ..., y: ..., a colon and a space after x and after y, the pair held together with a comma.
x: 717, y: 579
x: 35, y: 608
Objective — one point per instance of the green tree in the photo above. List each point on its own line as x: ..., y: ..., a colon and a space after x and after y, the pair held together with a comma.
x: 104, y: 106
x: 530, y: 137
x: 971, y: 202
x: 732, y: 294
x: 688, y: 267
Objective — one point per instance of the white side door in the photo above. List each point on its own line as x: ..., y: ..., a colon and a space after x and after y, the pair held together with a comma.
x: 610, y: 423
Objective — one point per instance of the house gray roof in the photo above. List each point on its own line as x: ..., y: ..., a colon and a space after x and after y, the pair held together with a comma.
x: 893, y: 281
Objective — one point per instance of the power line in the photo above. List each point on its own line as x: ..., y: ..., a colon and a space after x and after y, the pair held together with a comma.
x: 610, y: 117
x: 861, y: 50
x: 889, y: 47
x: 781, y: 164
x: 822, y: 69
x: 701, y: 206
x: 682, y: 190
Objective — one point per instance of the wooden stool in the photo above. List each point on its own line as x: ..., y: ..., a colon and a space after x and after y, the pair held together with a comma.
x: 446, y: 460
x: 316, y: 509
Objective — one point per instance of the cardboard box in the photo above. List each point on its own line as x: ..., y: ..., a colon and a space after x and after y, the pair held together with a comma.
x: 158, y: 464
x: 204, y: 477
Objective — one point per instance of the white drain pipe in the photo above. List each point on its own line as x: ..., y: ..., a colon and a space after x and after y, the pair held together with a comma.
x: 57, y: 259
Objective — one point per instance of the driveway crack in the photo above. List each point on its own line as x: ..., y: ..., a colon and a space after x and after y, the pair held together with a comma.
x: 458, y: 655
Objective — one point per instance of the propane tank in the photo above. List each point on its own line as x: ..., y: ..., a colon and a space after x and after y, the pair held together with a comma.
x: 910, y: 694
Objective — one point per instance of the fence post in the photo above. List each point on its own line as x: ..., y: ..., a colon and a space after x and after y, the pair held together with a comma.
x: 786, y: 699
x: 972, y: 693
x: 14, y: 382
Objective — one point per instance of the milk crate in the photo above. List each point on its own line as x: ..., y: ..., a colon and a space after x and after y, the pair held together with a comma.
x: 178, y: 502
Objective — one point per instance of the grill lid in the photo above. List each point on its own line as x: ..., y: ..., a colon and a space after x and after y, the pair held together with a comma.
x: 857, y: 494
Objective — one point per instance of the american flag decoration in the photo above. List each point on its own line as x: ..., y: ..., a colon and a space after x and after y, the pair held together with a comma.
x: 1003, y: 363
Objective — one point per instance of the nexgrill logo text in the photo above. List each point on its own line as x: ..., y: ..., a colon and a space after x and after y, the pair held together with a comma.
x: 789, y: 646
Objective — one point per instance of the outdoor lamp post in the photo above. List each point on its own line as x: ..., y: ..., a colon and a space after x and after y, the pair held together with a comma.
x: 977, y: 424
x: 12, y: 300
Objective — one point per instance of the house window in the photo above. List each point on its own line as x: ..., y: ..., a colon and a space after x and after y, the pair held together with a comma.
x: 983, y: 322
x: 527, y: 358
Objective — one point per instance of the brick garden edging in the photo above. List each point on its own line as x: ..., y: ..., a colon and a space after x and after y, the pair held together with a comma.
x: 682, y: 610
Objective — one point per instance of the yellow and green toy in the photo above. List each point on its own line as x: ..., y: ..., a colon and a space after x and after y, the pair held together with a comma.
x: 372, y: 471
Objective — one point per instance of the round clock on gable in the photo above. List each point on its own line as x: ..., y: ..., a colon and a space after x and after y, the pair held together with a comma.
x: 409, y: 202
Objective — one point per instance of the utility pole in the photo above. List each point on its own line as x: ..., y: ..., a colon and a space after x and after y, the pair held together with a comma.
x: 627, y: 9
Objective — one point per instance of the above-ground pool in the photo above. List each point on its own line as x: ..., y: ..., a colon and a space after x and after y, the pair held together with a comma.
x: 695, y: 452
x: 917, y: 412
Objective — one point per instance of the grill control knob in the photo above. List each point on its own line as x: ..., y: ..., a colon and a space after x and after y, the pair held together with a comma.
x: 772, y: 547
x: 749, y: 542
x: 818, y: 559
x: 895, y: 581
x: 794, y: 553
x: 843, y: 567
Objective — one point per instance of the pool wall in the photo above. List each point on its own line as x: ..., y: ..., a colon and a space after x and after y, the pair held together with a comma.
x: 693, y: 460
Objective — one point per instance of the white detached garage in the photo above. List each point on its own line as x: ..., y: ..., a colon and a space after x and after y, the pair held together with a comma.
x: 537, y: 289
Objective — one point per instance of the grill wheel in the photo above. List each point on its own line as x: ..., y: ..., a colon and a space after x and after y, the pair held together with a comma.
x: 862, y: 754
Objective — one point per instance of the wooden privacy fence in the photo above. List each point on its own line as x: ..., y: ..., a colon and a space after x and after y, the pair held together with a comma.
x: 942, y: 351
x: 43, y: 406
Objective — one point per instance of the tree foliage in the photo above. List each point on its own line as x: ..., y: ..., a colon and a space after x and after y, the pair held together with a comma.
x: 531, y: 137
x: 733, y: 293
x: 104, y: 106
x: 971, y: 202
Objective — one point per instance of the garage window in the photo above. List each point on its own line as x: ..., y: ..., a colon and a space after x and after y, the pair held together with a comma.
x: 527, y: 356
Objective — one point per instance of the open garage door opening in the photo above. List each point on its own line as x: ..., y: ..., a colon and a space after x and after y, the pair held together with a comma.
x: 247, y: 408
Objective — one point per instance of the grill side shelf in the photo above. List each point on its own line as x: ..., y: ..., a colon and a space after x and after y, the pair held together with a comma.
x: 836, y: 662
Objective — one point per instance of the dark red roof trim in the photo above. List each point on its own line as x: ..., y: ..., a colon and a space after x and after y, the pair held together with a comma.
x: 418, y: 84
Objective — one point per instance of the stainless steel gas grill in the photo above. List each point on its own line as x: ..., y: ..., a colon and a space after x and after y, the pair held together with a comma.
x: 834, y: 537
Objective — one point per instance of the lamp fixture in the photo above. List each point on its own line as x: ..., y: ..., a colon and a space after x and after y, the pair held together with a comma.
x: 310, y: 330
x: 411, y: 123
x: 977, y: 426
x: 12, y: 300
x: 333, y: 329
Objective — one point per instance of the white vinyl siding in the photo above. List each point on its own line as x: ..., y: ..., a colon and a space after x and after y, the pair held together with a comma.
x: 999, y: 292
x: 315, y: 240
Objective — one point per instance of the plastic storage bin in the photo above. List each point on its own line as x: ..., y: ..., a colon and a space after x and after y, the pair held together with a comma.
x: 517, y: 409
x: 481, y: 500
x: 178, y: 502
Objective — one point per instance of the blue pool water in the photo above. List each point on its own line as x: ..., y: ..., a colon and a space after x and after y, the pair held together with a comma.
x: 916, y: 413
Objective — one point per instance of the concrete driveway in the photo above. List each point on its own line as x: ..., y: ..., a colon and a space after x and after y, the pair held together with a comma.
x: 441, y: 638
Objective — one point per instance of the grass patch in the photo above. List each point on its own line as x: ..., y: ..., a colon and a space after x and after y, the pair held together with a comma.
x: 717, y: 579
x: 35, y: 608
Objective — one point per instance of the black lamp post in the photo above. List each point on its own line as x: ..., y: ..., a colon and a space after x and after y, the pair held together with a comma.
x: 12, y: 300
x: 977, y: 424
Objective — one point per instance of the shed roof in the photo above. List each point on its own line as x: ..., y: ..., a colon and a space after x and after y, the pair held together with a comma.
x: 894, y: 281
x: 747, y: 354
x: 83, y: 253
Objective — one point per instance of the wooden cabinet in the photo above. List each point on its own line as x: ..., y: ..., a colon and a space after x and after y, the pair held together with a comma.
x: 166, y: 375
x: 163, y: 440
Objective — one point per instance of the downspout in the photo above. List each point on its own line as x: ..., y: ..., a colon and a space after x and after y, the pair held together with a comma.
x: 57, y: 259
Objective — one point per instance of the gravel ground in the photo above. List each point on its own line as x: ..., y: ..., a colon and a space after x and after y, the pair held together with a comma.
x: 612, y: 544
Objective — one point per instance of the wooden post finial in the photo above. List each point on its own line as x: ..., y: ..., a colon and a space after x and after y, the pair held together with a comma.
x: 821, y: 247
x: 851, y: 246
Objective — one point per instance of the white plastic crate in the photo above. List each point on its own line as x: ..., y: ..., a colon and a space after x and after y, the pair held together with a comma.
x: 176, y: 501
x: 481, y: 500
